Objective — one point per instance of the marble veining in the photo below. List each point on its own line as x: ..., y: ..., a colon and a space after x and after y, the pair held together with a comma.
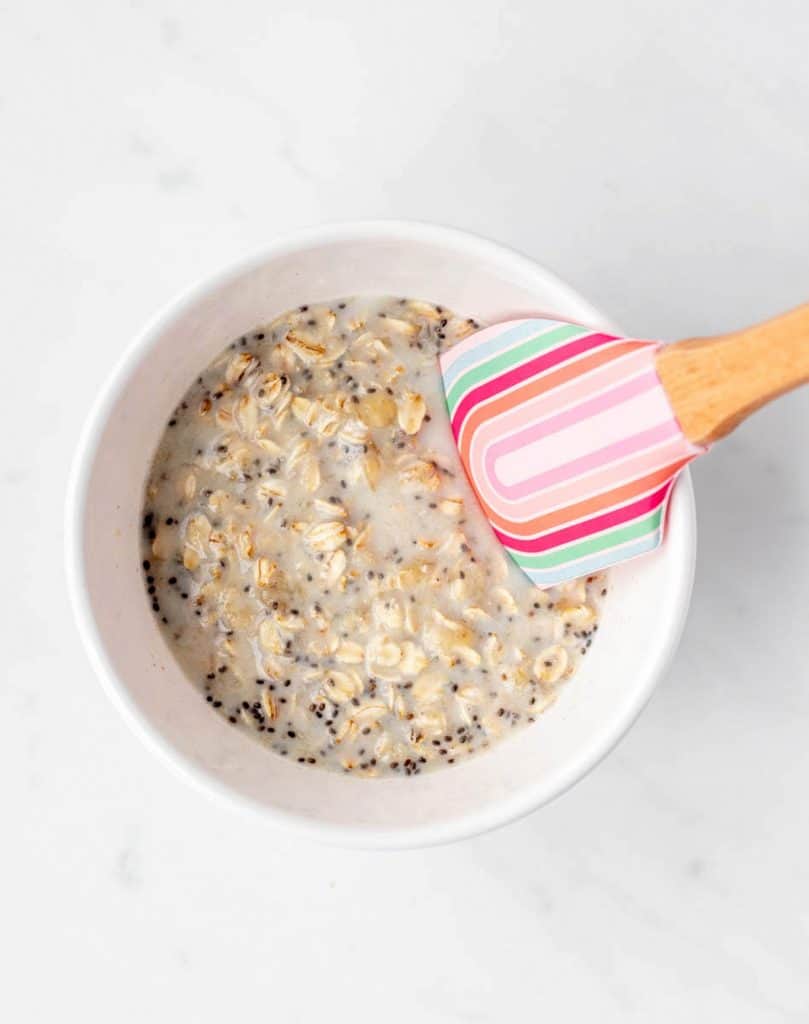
x: 655, y: 155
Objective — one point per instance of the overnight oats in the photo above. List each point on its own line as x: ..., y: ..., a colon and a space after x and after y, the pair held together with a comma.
x: 317, y: 561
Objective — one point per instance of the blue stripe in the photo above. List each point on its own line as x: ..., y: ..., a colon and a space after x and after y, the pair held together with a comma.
x: 594, y: 563
x: 499, y: 343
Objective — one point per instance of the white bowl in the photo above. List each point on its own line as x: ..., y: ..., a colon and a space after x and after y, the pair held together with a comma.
x: 642, y: 620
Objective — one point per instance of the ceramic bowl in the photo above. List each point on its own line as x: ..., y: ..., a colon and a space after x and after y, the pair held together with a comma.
x: 643, y: 614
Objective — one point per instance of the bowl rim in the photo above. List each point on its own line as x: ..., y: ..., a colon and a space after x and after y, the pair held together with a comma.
x: 529, y: 796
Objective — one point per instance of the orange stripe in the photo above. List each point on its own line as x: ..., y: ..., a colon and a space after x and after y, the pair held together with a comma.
x: 589, y: 507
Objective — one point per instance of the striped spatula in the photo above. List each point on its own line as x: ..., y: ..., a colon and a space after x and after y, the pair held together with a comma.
x: 572, y: 438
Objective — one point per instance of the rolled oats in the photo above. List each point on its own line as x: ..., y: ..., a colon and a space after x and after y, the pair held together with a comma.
x: 320, y: 565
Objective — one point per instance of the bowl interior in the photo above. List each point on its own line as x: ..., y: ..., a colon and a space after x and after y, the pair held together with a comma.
x: 642, y: 616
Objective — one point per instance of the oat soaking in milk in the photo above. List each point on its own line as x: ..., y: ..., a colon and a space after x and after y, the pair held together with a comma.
x: 317, y: 562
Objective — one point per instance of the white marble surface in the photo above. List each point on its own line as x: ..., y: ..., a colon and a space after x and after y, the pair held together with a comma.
x: 656, y: 155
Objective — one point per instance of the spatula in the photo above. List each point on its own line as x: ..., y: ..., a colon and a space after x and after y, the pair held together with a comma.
x: 572, y: 438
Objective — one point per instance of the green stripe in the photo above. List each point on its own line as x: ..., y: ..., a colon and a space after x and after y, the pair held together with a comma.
x: 580, y: 548
x: 512, y: 357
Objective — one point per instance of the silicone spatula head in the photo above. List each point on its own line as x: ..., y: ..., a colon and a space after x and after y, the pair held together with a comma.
x: 571, y: 439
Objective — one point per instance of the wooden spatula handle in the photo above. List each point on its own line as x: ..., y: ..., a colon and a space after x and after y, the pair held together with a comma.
x: 715, y: 383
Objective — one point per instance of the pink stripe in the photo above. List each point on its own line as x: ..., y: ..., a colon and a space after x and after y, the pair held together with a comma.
x: 595, y: 460
x: 557, y: 399
x: 578, y: 531
x: 563, y: 396
x: 583, y: 411
x: 582, y: 488
x: 609, y: 427
x: 523, y: 372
